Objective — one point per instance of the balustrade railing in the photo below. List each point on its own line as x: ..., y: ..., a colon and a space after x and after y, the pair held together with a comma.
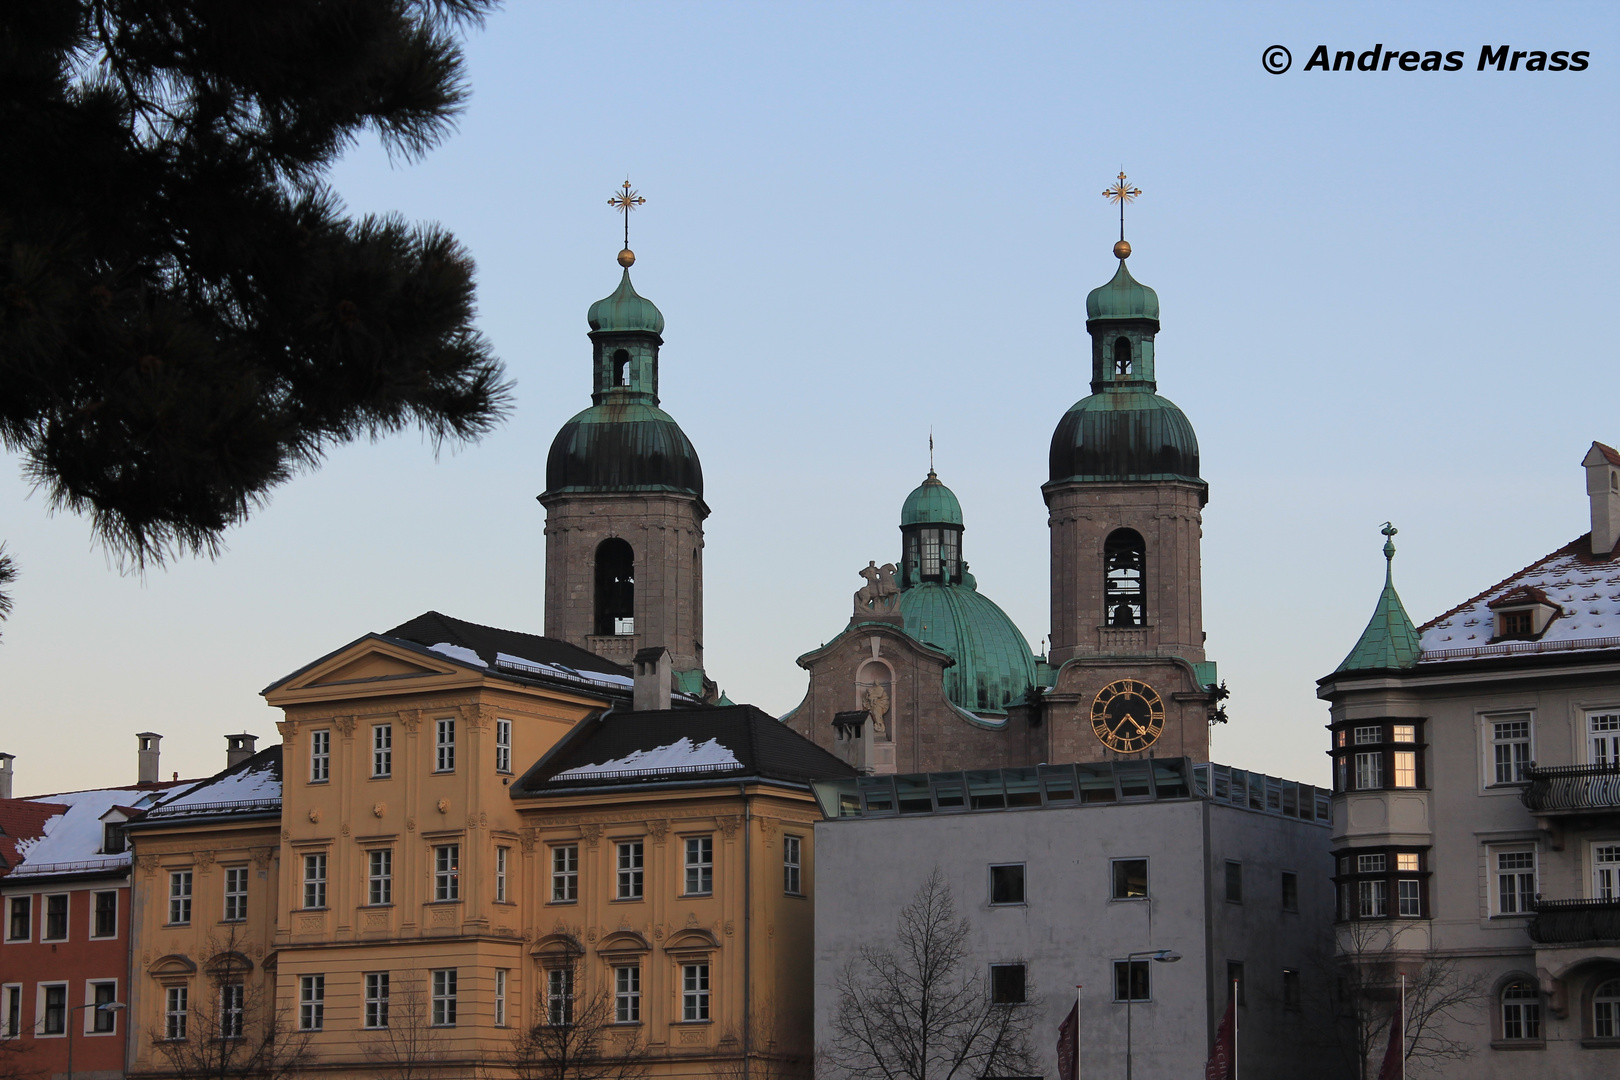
x: 1565, y: 922
x: 1572, y: 789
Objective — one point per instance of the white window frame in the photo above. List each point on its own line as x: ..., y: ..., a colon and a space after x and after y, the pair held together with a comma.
x: 1522, y: 1013
x: 90, y: 929
x: 503, y: 746
x: 379, y: 877
x: 40, y: 1014
x: 1409, y: 898
x: 375, y: 1016
x: 500, y: 997
x: 1498, y: 872
x: 627, y: 994
x: 180, y: 882
x: 444, y: 998
x: 564, y: 873
x: 695, y: 990
x: 1369, y: 770
x: 11, y: 1010
x: 1368, y: 735
x: 230, y: 1011
x: 312, y: 1003
x: 1606, y: 1010
x: 45, y: 917
x: 503, y: 855
x: 559, y: 996
x: 1602, y: 736
x: 631, y: 861
x: 1372, y: 898
x: 698, y: 855
x: 446, y: 874
x: 28, y: 899
x: 444, y: 745
x: 1604, y: 859
x: 1496, y: 743
x: 91, y: 1014
x: 320, y: 755
x: 792, y: 864
x: 1405, y: 766
x: 176, y: 1013
x: 236, y: 898
x: 382, y: 751
x: 314, y: 880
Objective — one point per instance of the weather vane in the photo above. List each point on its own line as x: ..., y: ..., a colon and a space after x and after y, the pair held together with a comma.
x: 626, y: 200
x: 1120, y: 193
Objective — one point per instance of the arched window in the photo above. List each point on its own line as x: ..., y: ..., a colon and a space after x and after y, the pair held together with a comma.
x: 621, y: 368
x: 1122, y: 357
x: 1125, y: 591
x: 615, y: 587
x: 1606, y: 1010
x: 1521, y: 1011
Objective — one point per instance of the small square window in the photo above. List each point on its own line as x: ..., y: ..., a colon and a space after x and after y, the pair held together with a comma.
x: 1403, y: 733
x: 1234, y: 882
x: 1007, y: 884
x: 1007, y: 984
x: 1513, y: 624
x: 1132, y: 980
x: 1290, y: 891
x: 1130, y: 879
x: 1407, y: 861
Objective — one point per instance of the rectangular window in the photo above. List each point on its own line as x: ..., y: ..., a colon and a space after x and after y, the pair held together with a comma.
x: 11, y: 1011
x: 179, y: 897
x: 699, y: 865
x: 1515, y: 882
x: 565, y: 873
x: 501, y: 855
x: 1234, y: 979
x: 1007, y: 884
x: 1234, y: 882
x: 444, y: 998
x: 103, y: 1021
x: 20, y: 926
x: 1007, y: 984
x: 1405, y: 768
x: 1603, y: 738
x: 1369, y: 735
x: 311, y: 1002
x: 377, y: 999
x: 1510, y: 750
x: 113, y: 840
x: 1406, y: 733
x: 236, y: 879
x: 231, y: 1000
x: 694, y: 993
x: 792, y: 884
x: 1606, y: 872
x: 315, y: 880
x: 627, y: 994
x: 1290, y: 891
x: 1369, y: 771
x: 447, y: 872
x: 560, y: 997
x: 1130, y: 879
x: 382, y: 750
x: 380, y: 876
x: 445, y: 746
x: 1370, y: 864
x: 1374, y: 899
x: 1521, y: 1012
x: 1131, y: 982
x: 1290, y: 989
x: 320, y: 757
x: 1513, y: 624
x: 500, y: 997
x: 630, y: 870
x: 56, y: 917
x: 503, y: 746
x: 53, y: 1010
x: 1407, y: 861
x: 1409, y: 898
x: 174, y: 1012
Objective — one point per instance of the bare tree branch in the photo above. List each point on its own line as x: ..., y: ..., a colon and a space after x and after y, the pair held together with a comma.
x: 576, y: 1036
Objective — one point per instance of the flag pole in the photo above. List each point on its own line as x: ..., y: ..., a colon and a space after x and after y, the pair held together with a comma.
x: 1403, y: 1025
x: 1076, y: 1031
x: 1234, y: 1030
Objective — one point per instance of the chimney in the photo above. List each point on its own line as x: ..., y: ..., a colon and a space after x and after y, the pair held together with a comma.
x: 5, y: 774
x: 653, y: 675
x: 147, y: 756
x: 1603, y: 489
x: 238, y: 748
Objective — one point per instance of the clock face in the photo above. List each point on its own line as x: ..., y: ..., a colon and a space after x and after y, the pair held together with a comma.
x: 1128, y: 716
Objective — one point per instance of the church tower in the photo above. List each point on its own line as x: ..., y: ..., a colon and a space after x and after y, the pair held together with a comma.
x: 624, y: 504
x: 1124, y: 503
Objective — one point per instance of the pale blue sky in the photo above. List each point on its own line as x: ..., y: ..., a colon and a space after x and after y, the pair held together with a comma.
x: 1385, y: 295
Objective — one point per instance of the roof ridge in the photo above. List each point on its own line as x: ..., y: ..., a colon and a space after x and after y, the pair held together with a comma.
x: 1569, y: 548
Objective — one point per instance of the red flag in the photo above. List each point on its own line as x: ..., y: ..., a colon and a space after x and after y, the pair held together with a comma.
x: 1391, y: 1069
x: 1219, y: 1065
x: 1068, y: 1047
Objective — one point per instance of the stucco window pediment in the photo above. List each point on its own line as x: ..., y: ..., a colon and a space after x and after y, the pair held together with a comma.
x: 172, y: 964
x: 230, y: 963
x: 557, y: 947
x: 690, y: 939
x: 622, y: 942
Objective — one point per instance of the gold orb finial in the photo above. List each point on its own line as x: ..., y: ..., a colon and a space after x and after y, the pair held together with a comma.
x: 1122, y: 250
x: 627, y: 258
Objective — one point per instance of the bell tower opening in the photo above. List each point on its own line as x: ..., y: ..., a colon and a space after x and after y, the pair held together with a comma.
x: 615, y: 587
x: 1124, y: 590
x: 621, y: 368
x: 1122, y: 357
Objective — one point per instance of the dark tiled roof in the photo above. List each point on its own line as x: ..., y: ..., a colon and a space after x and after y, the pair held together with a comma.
x: 433, y: 628
x: 21, y: 819
x: 762, y: 745
x: 250, y: 787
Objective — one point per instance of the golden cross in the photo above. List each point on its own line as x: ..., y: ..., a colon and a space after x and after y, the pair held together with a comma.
x: 624, y: 202
x: 1120, y: 194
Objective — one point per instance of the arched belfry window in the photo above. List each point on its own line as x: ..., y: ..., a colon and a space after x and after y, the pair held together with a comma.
x: 621, y: 368
x: 1122, y: 357
x: 1125, y: 590
x: 615, y: 587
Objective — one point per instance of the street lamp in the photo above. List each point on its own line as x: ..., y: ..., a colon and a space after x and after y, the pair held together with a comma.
x: 1163, y: 956
x: 105, y: 1006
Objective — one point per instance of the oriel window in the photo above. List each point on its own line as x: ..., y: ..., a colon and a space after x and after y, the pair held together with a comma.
x: 1125, y: 558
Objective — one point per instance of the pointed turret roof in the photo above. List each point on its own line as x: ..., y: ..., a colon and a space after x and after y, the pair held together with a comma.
x: 1390, y: 640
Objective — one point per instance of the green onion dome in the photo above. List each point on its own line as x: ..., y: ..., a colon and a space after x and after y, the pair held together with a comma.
x: 626, y: 310
x: 623, y: 447
x: 1124, y: 435
x: 994, y: 667
x: 1122, y: 298
x: 931, y: 503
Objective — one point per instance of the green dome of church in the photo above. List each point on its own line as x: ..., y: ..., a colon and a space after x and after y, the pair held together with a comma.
x: 994, y: 666
x: 1122, y: 298
x: 623, y: 446
x: 932, y: 503
x: 1124, y: 435
x: 626, y: 310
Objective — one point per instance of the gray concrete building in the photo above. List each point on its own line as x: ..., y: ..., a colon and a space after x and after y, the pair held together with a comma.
x: 1476, y: 811
x: 1065, y: 871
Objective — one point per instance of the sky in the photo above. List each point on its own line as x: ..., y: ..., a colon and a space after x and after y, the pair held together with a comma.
x: 1385, y: 295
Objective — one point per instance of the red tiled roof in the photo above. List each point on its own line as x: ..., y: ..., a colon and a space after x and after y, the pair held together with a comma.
x: 1609, y: 452
x: 1524, y: 594
x: 21, y: 819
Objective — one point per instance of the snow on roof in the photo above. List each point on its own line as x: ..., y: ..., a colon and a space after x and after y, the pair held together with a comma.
x: 458, y: 652
x: 255, y: 787
x: 1588, y: 593
x: 561, y: 671
x: 72, y: 841
x: 679, y: 755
